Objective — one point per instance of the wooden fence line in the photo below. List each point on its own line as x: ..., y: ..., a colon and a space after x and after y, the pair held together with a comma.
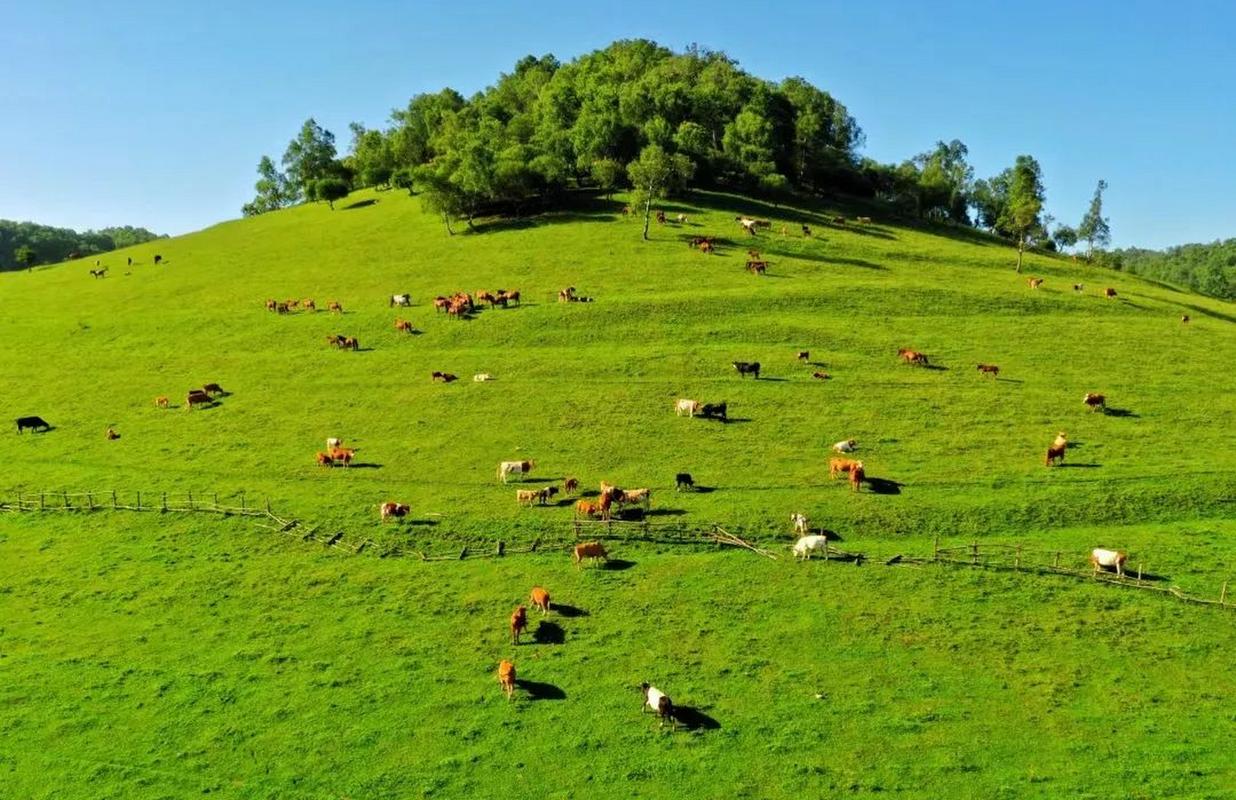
x: 111, y: 500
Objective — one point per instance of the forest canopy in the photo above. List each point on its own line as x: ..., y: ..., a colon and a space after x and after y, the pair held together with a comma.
x: 24, y: 244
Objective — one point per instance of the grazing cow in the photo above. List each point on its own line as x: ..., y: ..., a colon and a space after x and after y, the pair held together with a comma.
x: 626, y: 211
x: 753, y: 255
x: 1055, y: 453
x: 403, y: 325
x: 404, y: 299
x: 483, y: 296
x: 99, y: 273
x: 912, y: 357
x: 350, y: 343
x: 1111, y: 559
x: 1185, y: 318
x: 587, y: 508
x: 281, y: 308
x: 683, y: 480
x: 806, y: 231
x: 308, y: 304
x: 800, y: 523
x: 526, y: 497
x: 836, y: 466
x: 1077, y: 287
x: 441, y: 303
x: 1109, y: 293
x: 540, y: 599
x: 324, y: 460
x: 636, y: 497
x: 1036, y: 283
x: 707, y: 247
x: 857, y: 476
x: 863, y: 220
x: 197, y: 398
x: 989, y: 369
x: 507, y: 468
x: 335, y: 307
x: 342, y: 455
x: 804, y: 355
x: 820, y: 376
x: 681, y: 219
x: 691, y: 407
x: 588, y: 550
x: 270, y: 305
x: 396, y: 510
x: 292, y: 303
x: 333, y: 443
x: 806, y: 545
x: 838, y: 220
x: 566, y: 295
x: 570, y: 485
x: 161, y: 401
x: 845, y: 446
x: 748, y: 368
x: 213, y: 389
x: 1095, y: 401
x: 112, y: 435
x: 482, y: 377
x: 158, y: 259
x: 747, y: 224
x: 445, y: 377
x: 506, y: 677
x: 509, y: 297
x: 661, y: 217
x: 757, y: 267
x: 659, y: 703
x: 715, y: 411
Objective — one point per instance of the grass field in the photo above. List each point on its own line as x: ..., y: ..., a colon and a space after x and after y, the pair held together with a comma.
x: 163, y: 656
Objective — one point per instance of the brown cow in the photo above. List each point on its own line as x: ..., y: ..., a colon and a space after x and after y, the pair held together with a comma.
x: 506, y: 677
x: 1109, y: 293
x: 540, y: 599
x: 707, y: 247
x: 757, y: 267
x: 197, y: 397
x: 1055, y: 452
x: 396, y: 510
x: 510, y: 297
x: 308, y: 304
x: 1095, y: 401
x: 587, y: 508
x: 857, y: 476
x: 161, y: 401
x: 335, y: 307
x: 445, y: 377
x: 281, y: 308
x: 324, y: 460
x: 342, y: 455
x: 989, y: 369
x: 840, y: 465
x: 519, y: 623
x: 912, y: 357
x: 270, y: 305
x: 570, y: 485
x: 213, y: 389
x: 585, y: 550
x: 1036, y: 283
x: 403, y: 325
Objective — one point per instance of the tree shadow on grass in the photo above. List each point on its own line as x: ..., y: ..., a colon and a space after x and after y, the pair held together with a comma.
x: 361, y: 204
x: 693, y: 719
x: 538, y: 690
x: 548, y: 633
x: 567, y: 610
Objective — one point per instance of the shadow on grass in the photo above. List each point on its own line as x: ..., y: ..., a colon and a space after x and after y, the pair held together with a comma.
x: 427, y: 523
x: 883, y: 486
x: 538, y: 690
x: 1120, y: 413
x: 734, y: 420
x: 361, y: 204
x: 935, y: 367
x: 694, y: 719
x: 1010, y: 380
x: 548, y: 633
x: 700, y: 489
x: 1075, y: 465
x: 665, y: 512
x: 617, y: 564
x: 363, y: 465
x: 567, y: 610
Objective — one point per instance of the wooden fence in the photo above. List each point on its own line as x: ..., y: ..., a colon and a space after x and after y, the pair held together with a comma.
x: 112, y: 500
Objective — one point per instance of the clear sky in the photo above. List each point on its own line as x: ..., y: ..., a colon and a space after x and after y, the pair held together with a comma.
x: 155, y: 113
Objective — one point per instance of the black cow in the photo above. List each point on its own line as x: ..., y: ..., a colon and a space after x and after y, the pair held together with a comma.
x: 683, y: 480
x: 714, y: 410
x: 33, y: 423
x: 748, y: 368
x: 158, y: 259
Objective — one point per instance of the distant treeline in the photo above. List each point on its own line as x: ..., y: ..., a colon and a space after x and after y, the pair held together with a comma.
x: 25, y: 244
x: 1205, y: 268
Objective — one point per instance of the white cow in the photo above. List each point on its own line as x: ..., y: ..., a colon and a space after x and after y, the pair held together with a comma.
x: 692, y: 407
x: 507, y: 468
x: 401, y: 300
x: 806, y: 545
x: 1061, y: 440
x: 846, y: 446
x: 800, y: 523
x: 481, y: 377
x: 1101, y: 558
x: 333, y: 442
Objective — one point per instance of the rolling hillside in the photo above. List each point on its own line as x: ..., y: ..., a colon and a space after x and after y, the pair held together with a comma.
x: 166, y: 656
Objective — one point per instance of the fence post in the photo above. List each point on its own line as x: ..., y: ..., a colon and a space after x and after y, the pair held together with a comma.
x: 1223, y: 595
x: 1056, y: 564
x: 1139, y: 572
x: 19, y: 508
x: 974, y: 553
x: 139, y: 501
x: 41, y: 505
x: 935, y: 547
x: 242, y: 502
x: 90, y: 499
x: 216, y: 496
x: 113, y: 499
x: 267, y: 505
x: 190, y: 501
x: 165, y: 501
x: 67, y: 504
x: 1017, y: 558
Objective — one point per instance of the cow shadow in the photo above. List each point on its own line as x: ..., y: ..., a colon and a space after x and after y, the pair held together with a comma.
x: 665, y: 512
x: 568, y: 611
x: 426, y: 523
x: 772, y: 380
x: 549, y: 633
x: 1075, y: 465
x: 538, y: 690
x: 732, y: 420
x: 564, y: 502
x: 883, y: 486
x: 363, y: 465
x: 589, y: 493
x: 693, y: 719
x: 617, y: 564
x: 1120, y: 413
x: 701, y: 489
x: 363, y: 350
x: 1010, y: 380
x: 935, y: 367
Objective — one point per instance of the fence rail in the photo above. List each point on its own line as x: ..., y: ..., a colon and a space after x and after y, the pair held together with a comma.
x: 112, y: 500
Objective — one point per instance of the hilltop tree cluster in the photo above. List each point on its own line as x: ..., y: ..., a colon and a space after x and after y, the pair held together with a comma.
x: 25, y: 244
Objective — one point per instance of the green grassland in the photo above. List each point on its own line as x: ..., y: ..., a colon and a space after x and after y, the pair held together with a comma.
x: 146, y: 655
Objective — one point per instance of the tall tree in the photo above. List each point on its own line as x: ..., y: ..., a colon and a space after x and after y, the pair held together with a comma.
x: 1064, y: 237
x: 655, y: 174
x: 310, y: 156
x: 26, y: 256
x: 1094, y: 228
x: 274, y: 191
x: 1020, y: 216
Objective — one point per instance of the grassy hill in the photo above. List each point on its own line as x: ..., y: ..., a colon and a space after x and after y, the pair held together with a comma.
x: 149, y: 656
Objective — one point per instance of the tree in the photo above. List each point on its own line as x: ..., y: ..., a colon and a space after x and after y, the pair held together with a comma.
x: 438, y: 194
x: 1094, y: 228
x: 310, y: 156
x: 655, y: 174
x: 1020, y: 216
x: 26, y: 256
x: 330, y: 190
x: 608, y: 174
x: 1065, y: 237
x: 274, y: 191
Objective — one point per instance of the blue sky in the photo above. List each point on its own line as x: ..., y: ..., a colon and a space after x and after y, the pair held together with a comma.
x: 155, y: 113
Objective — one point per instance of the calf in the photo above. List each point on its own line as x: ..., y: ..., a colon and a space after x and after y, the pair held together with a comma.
x: 197, y: 398
x: 1055, y: 453
x: 112, y: 435
x: 912, y: 357
x: 659, y: 703
x: 324, y: 460
x: 526, y: 497
x: 309, y: 305
x: 403, y: 325
x: 806, y: 231
x: 820, y: 376
x: 800, y: 523
x: 715, y: 411
x: 404, y: 300
x: 335, y: 307
x: 1100, y: 559
x: 1095, y: 401
x: 161, y: 401
x: 540, y: 599
x: 846, y: 446
x: 342, y: 455
x: 989, y: 369
x: 806, y: 545
x: 519, y: 623
x: 333, y: 443
x: 213, y: 389
x: 587, y: 508
x: 270, y: 305
x: 857, y: 476
x: 683, y: 480
x: 757, y: 267
x: 506, y: 678
x: 748, y: 368
x: 158, y: 259
x: 395, y: 510
x: 1109, y: 293
x: 588, y: 550
x: 445, y: 377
